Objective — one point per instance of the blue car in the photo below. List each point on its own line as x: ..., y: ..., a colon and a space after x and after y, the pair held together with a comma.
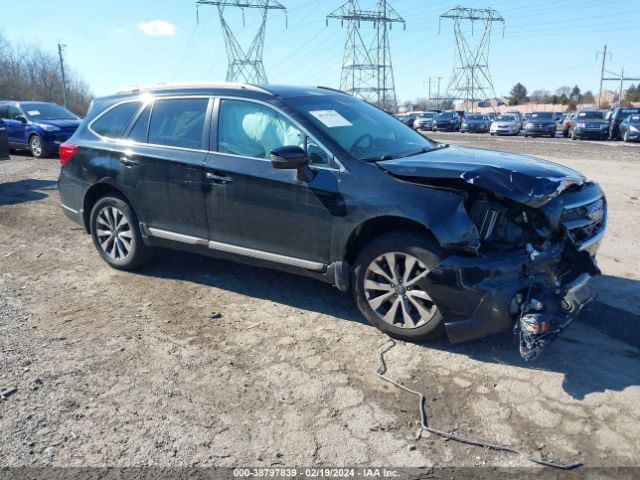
x: 39, y: 127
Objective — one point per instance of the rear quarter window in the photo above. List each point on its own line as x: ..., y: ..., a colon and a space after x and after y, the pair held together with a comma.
x: 114, y: 122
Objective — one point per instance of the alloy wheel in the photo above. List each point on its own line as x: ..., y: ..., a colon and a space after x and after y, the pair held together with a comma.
x: 392, y: 290
x: 114, y: 233
x: 36, y: 146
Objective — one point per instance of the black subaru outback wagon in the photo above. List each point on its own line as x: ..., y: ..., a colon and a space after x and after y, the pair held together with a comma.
x: 427, y: 236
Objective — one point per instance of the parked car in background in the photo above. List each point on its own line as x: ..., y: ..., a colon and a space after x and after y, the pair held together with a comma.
x: 506, y: 124
x: 567, y: 123
x: 39, y: 127
x: 424, y: 121
x: 448, y: 121
x: 558, y: 117
x: 491, y: 116
x: 406, y: 118
x: 540, y: 123
x: 590, y: 124
x: 630, y: 128
x: 617, y: 116
x: 4, y: 141
x: 463, y: 240
x: 475, y: 123
x: 526, y: 117
x: 519, y: 119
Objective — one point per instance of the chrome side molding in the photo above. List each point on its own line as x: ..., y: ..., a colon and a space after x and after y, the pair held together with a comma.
x: 238, y: 250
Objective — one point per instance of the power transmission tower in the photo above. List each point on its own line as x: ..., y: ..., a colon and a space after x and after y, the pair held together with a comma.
x: 367, y: 71
x: 61, y: 48
x: 471, y: 80
x: 244, y: 66
x: 604, y: 58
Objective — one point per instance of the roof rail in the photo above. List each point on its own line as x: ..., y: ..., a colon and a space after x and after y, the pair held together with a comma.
x: 169, y: 86
x: 332, y: 89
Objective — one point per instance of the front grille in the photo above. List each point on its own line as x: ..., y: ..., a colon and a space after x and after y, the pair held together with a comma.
x: 586, y: 220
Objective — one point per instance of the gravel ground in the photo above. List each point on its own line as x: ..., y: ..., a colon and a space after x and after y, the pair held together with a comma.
x: 107, y: 368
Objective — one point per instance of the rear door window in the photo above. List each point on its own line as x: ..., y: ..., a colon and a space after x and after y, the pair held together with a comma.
x: 178, y: 122
x: 113, y: 123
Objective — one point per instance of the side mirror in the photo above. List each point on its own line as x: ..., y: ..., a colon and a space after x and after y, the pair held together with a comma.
x: 292, y: 157
x: 21, y: 118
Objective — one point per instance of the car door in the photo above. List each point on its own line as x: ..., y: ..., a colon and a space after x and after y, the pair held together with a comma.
x: 160, y: 167
x: 16, y: 126
x: 257, y: 210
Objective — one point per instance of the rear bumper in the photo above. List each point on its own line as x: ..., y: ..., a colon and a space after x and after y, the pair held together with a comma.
x: 71, y: 193
x: 475, y: 294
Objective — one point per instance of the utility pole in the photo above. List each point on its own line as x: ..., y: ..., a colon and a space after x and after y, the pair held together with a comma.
x: 621, y: 80
x: 604, y: 57
x: 64, y: 79
x: 438, y: 99
x: 620, y: 77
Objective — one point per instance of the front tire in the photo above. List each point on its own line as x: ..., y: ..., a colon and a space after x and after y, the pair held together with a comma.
x: 116, y: 233
x: 36, y: 147
x: 390, y: 285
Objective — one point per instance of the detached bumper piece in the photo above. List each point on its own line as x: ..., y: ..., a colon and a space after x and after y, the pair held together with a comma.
x: 541, y: 321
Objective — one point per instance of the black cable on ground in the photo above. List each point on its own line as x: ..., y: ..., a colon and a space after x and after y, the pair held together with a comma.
x: 390, y: 343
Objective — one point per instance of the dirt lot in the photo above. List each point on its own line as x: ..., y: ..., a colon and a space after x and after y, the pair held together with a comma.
x: 123, y: 369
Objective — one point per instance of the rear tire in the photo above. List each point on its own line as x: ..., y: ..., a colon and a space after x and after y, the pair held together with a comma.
x: 396, y: 301
x: 116, y: 233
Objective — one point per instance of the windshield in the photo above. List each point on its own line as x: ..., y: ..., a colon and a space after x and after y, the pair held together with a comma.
x: 541, y: 116
x: 634, y: 119
x: 475, y: 118
x: 426, y: 115
x: 591, y: 116
x: 47, y: 111
x: 447, y: 115
x: 506, y: 118
x: 362, y: 130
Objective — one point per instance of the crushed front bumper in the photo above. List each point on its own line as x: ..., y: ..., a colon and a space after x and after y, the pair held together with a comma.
x: 476, y: 295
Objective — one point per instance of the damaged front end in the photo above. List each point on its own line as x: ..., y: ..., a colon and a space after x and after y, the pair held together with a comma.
x: 528, y: 262
x: 531, y: 269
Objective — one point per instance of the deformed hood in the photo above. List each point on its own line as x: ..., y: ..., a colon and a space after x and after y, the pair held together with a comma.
x: 521, y: 178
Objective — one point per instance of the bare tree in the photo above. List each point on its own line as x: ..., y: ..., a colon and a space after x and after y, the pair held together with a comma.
x: 28, y: 72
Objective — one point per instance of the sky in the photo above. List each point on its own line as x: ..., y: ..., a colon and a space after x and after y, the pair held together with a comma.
x: 118, y: 43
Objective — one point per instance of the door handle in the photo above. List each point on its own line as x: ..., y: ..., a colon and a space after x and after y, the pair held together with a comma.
x: 219, y: 179
x: 127, y: 162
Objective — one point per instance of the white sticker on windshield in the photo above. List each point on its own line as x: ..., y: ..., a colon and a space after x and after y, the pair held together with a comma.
x: 331, y: 118
x: 33, y: 113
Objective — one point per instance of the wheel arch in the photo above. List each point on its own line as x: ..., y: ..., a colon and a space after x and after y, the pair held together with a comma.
x: 95, y: 193
x: 375, y: 227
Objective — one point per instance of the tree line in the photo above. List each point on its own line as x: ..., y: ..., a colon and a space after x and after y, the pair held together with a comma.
x: 29, y: 72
